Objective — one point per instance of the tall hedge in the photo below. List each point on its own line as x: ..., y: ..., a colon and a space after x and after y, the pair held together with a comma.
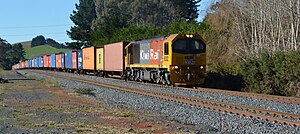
x: 277, y: 74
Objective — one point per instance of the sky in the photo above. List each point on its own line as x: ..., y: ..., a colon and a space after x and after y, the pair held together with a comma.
x: 22, y: 20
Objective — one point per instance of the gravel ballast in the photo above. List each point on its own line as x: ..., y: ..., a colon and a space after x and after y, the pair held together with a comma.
x: 210, y: 120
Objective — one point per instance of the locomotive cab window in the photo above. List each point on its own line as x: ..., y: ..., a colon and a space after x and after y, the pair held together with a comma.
x: 188, y: 46
x: 166, y: 46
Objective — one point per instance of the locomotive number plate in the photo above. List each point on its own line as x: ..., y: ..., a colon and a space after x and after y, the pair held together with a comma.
x: 189, y: 62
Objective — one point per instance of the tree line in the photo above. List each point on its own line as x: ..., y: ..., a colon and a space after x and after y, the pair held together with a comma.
x: 102, y: 20
x: 10, y: 54
x: 258, y: 41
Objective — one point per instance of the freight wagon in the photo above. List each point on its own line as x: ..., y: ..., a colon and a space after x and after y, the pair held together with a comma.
x: 92, y: 60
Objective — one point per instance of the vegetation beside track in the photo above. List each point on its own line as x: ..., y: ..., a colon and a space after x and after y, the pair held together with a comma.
x: 277, y: 74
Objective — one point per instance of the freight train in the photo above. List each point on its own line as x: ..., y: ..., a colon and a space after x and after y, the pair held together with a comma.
x: 177, y: 59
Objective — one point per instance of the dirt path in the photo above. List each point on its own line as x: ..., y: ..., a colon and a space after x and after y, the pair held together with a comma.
x: 38, y: 107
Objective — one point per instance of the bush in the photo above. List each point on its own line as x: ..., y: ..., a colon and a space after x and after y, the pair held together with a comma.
x: 224, y: 76
x: 276, y: 74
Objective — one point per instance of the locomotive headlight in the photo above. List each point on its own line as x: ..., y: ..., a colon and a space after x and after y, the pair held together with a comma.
x: 176, y: 67
x: 201, y: 67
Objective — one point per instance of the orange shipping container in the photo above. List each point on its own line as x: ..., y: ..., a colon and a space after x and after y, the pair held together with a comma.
x: 58, y: 60
x: 88, y: 55
x: 47, y: 61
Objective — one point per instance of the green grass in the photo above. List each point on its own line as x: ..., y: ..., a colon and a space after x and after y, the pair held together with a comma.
x: 41, y: 50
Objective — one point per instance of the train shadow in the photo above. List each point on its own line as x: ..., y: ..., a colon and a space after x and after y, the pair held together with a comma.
x: 226, y: 82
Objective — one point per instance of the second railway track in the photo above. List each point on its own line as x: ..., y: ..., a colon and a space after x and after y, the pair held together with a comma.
x: 268, y: 115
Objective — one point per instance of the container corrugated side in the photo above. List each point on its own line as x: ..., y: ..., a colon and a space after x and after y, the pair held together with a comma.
x: 74, y: 60
x: 63, y: 61
x: 68, y: 60
x: 41, y: 62
x: 114, y: 56
x: 58, y: 60
x: 79, y: 53
x: 100, y: 58
x: 88, y: 55
x: 52, y: 61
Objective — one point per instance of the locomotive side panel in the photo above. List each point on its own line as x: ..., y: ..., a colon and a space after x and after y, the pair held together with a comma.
x: 156, y: 55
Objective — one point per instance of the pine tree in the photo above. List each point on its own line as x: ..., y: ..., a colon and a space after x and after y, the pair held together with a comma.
x: 83, y: 17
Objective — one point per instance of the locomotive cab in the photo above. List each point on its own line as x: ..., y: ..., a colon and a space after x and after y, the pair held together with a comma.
x: 186, y: 59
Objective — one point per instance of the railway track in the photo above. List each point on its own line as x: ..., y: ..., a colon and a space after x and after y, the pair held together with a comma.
x: 268, y: 115
x: 274, y: 98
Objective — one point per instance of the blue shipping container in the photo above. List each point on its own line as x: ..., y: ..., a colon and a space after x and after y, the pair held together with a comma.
x: 32, y: 63
x: 62, y: 60
x: 79, y: 61
x: 29, y: 63
x: 36, y: 62
x: 68, y: 60
x: 41, y: 62
x: 53, y: 61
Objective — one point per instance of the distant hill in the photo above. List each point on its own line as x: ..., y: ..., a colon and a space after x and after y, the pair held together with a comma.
x: 41, y: 50
x: 25, y: 44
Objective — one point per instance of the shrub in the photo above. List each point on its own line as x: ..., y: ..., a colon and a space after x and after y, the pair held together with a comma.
x: 276, y: 74
x: 225, y: 76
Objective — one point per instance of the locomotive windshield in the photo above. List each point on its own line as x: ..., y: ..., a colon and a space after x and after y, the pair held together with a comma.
x: 188, y: 46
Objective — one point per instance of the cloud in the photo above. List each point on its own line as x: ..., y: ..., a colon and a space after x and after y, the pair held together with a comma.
x: 204, y: 8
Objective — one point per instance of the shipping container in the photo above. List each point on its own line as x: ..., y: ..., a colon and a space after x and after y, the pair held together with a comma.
x: 74, y: 60
x: 53, y: 61
x: 22, y: 64
x: 46, y: 59
x: 30, y: 63
x: 69, y: 60
x: 33, y: 62
x: 58, y: 61
x: 156, y: 52
x: 88, y: 55
x: 100, y: 58
x: 63, y: 61
x: 25, y: 64
x: 36, y: 62
x: 114, y: 56
x: 80, y: 61
x: 41, y: 62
